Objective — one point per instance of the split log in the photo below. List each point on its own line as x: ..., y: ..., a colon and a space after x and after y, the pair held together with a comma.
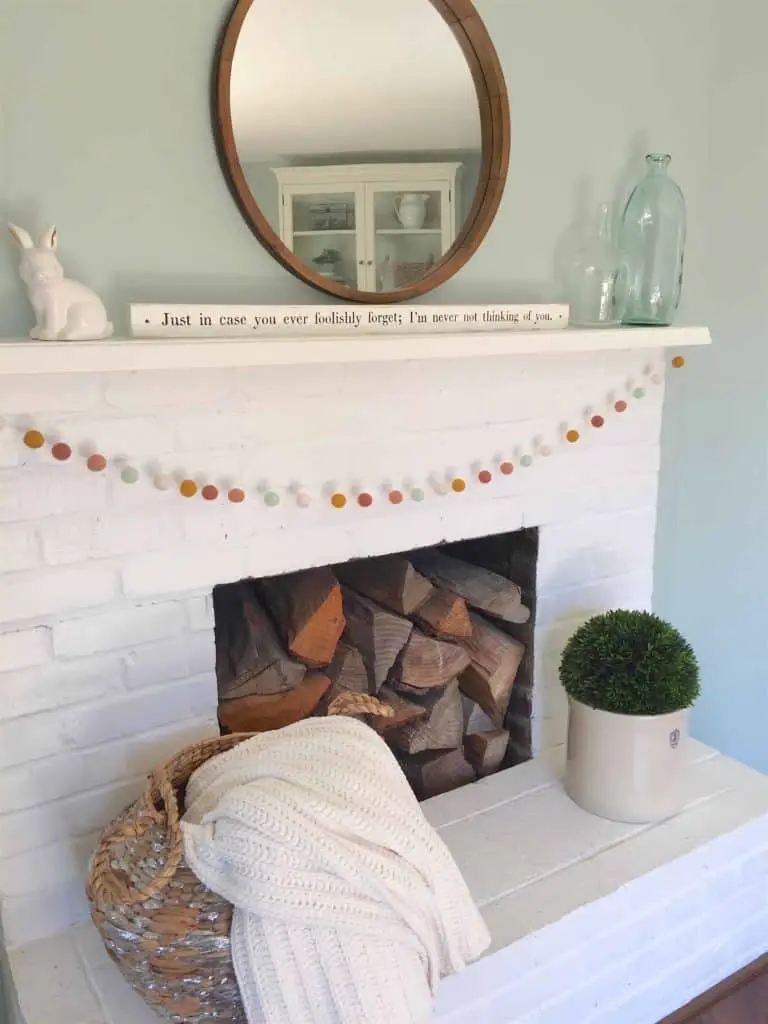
x: 475, y: 719
x: 250, y: 658
x: 377, y: 634
x: 348, y: 669
x: 432, y: 774
x: 427, y: 663
x: 446, y: 615
x: 263, y: 713
x: 404, y: 711
x: 440, y: 729
x: 307, y: 608
x: 482, y: 589
x: 485, y: 751
x: 391, y: 581
x: 496, y: 658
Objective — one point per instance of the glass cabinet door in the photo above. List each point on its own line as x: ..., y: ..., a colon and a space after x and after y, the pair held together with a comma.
x: 411, y: 232
x: 322, y: 229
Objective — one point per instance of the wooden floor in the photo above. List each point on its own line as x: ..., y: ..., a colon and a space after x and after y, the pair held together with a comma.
x: 742, y: 999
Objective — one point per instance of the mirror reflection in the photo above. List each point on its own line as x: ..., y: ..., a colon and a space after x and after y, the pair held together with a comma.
x: 357, y: 128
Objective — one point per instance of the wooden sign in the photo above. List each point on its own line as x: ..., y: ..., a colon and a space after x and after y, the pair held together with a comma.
x: 159, y: 320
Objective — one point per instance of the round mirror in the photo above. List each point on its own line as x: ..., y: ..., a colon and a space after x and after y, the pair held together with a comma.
x: 366, y: 141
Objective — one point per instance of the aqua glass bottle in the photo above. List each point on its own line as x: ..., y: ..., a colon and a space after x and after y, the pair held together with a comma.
x: 652, y: 240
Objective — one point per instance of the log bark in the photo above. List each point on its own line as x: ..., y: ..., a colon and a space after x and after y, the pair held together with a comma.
x: 427, y: 663
x: 390, y: 581
x: 307, y: 608
x: 440, y: 729
x: 378, y: 635
x: 481, y: 589
x: 263, y: 713
x: 496, y: 658
x: 404, y: 711
x: 446, y: 615
x: 348, y: 669
x: 485, y: 751
x: 249, y: 656
x: 433, y: 774
x: 475, y: 719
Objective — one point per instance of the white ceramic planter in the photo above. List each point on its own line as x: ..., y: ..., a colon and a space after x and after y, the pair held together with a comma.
x: 626, y: 767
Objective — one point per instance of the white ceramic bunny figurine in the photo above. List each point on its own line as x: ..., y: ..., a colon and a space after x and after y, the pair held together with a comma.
x: 64, y: 310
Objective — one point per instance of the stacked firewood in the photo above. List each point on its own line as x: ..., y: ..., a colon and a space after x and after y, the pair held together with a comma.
x: 425, y: 634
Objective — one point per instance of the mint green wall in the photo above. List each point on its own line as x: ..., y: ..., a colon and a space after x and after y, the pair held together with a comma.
x: 104, y: 128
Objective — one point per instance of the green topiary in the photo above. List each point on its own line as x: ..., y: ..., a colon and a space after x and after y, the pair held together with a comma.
x: 630, y: 663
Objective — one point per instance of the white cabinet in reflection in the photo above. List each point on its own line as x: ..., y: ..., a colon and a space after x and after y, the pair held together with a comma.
x: 376, y: 227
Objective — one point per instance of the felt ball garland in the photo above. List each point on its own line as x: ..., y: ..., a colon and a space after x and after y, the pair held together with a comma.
x: 189, y: 488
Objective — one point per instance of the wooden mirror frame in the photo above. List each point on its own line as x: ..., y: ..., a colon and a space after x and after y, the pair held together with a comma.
x: 480, y: 53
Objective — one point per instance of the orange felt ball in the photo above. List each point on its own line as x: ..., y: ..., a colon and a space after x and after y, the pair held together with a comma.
x: 396, y: 497
x: 678, y: 361
x: 507, y: 468
x: 458, y: 485
x: 96, y: 463
x: 34, y: 439
x: 338, y: 500
x: 210, y: 493
x: 620, y: 406
x: 236, y: 495
x: 61, y: 452
x: 188, y: 488
x: 484, y: 476
x: 572, y: 436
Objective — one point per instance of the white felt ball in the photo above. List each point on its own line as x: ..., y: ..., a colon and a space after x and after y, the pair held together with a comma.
x: 163, y: 482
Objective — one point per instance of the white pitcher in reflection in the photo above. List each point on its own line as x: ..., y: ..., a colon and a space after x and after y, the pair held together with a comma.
x: 411, y: 209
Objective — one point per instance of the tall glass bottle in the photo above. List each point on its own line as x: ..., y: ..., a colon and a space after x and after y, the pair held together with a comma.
x: 652, y: 239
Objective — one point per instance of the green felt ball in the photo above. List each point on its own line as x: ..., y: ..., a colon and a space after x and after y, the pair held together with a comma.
x: 129, y: 475
x: 417, y: 494
x: 526, y: 460
x: 271, y: 499
x: 638, y: 393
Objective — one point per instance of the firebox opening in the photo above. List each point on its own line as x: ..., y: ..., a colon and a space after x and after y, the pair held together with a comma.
x: 432, y: 648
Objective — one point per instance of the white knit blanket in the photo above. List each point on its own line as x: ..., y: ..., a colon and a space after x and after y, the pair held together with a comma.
x: 348, y: 906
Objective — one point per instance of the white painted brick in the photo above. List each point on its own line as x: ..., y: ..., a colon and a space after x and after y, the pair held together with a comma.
x: 182, y: 657
x: 33, y: 595
x: 146, y: 751
x: 24, y: 648
x: 57, y: 864
x: 55, y: 778
x: 30, y: 738
x: 45, y: 913
x: 120, y: 628
x: 19, y: 547
x: 39, y: 490
x: 68, y: 539
x: 634, y: 590
x: 10, y: 448
x: 142, y: 712
x: 51, y: 393
x: 181, y: 568
x: 200, y: 612
x: 72, y: 818
x: 163, y: 389
x: 58, y: 684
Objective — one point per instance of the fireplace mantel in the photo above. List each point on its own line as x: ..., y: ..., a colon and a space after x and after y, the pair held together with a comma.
x: 22, y: 356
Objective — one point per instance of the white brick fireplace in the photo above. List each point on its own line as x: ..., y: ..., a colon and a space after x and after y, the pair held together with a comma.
x: 106, y: 631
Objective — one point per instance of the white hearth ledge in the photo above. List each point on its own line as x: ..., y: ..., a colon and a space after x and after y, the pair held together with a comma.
x: 593, y: 922
x: 19, y: 356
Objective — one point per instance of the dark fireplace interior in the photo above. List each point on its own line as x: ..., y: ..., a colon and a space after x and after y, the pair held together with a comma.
x: 432, y: 648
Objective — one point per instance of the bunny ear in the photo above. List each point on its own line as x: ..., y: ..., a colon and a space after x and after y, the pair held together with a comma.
x: 23, y: 238
x: 49, y: 239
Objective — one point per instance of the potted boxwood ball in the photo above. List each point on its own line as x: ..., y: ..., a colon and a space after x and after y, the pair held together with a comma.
x: 630, y: 678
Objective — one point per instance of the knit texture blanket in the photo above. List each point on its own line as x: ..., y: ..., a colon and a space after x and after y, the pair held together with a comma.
x: 348, y: 906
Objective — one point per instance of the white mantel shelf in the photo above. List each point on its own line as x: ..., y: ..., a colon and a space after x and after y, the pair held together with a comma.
x: 121, y: 354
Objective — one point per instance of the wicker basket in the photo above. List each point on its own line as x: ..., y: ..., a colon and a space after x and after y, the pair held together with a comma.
x: 168, y: 933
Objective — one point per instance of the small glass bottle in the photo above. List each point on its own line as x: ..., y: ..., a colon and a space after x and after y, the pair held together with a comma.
x: 652, y: 239
x: 597, y: 277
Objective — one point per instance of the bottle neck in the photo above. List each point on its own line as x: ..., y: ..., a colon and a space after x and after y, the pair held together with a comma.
x: 657, y: 163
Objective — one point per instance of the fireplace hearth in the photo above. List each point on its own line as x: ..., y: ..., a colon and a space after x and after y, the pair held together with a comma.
x: 441, y: 637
